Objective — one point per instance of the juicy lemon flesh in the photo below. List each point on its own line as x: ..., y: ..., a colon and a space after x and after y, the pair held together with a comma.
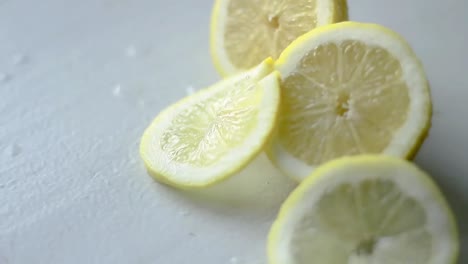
x: 208, y: 130
x: 367, y: 222
x: 258, y: 29
x: 342, y: 99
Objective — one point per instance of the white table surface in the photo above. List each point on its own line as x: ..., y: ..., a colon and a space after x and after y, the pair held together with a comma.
x: 80, y: 80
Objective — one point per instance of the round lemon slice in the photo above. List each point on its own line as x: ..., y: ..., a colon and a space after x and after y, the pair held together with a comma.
x: 214, y: 133
x: 245, y: 32
x: 349, y: 89
x: 365, y: 209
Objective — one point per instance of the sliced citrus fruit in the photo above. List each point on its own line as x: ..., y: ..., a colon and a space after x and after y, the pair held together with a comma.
x: 365, y: 209
x: 214, y: 133
x: 245, y: 32
x: 348, y: 89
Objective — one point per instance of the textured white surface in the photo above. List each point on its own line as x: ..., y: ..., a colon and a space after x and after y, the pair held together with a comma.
x: 72, y: 188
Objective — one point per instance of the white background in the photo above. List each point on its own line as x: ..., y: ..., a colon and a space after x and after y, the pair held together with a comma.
x: 80, y: 80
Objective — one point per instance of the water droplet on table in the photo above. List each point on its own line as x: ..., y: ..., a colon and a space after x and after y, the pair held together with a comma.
x: 4, y: 77
x: 132, y: 160
x: 117, y: 90
x: 13, y: 150
x: 190, y: 90
x: 131, y: 51
x: 141, y: 103
x: 184, y: 213
x: 20, y: 59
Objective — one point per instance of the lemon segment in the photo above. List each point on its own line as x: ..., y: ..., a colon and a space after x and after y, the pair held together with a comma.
x: 365, y: 209
x: 349, y: 88
x: 214, y: 133
x: 245, y: 32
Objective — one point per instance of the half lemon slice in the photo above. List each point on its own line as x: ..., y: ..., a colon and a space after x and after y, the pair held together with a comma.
x: 214, y: 133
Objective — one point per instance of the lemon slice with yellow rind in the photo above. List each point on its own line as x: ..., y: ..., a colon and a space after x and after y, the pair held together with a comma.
x: 365, y: 209
x: 214, y: 133
x: 245, y: 32
x: 349, y: 88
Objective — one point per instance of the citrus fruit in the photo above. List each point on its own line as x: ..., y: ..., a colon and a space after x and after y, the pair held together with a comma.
x: 245, y: 32
x: 214, y: 133
x: 365, y: 209
x: 347, y: 89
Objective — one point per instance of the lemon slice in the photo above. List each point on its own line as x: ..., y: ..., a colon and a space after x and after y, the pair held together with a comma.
x: 365, y: 210
x: 349, y: 89
x: 214, y: 133
x: 245, y: 32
